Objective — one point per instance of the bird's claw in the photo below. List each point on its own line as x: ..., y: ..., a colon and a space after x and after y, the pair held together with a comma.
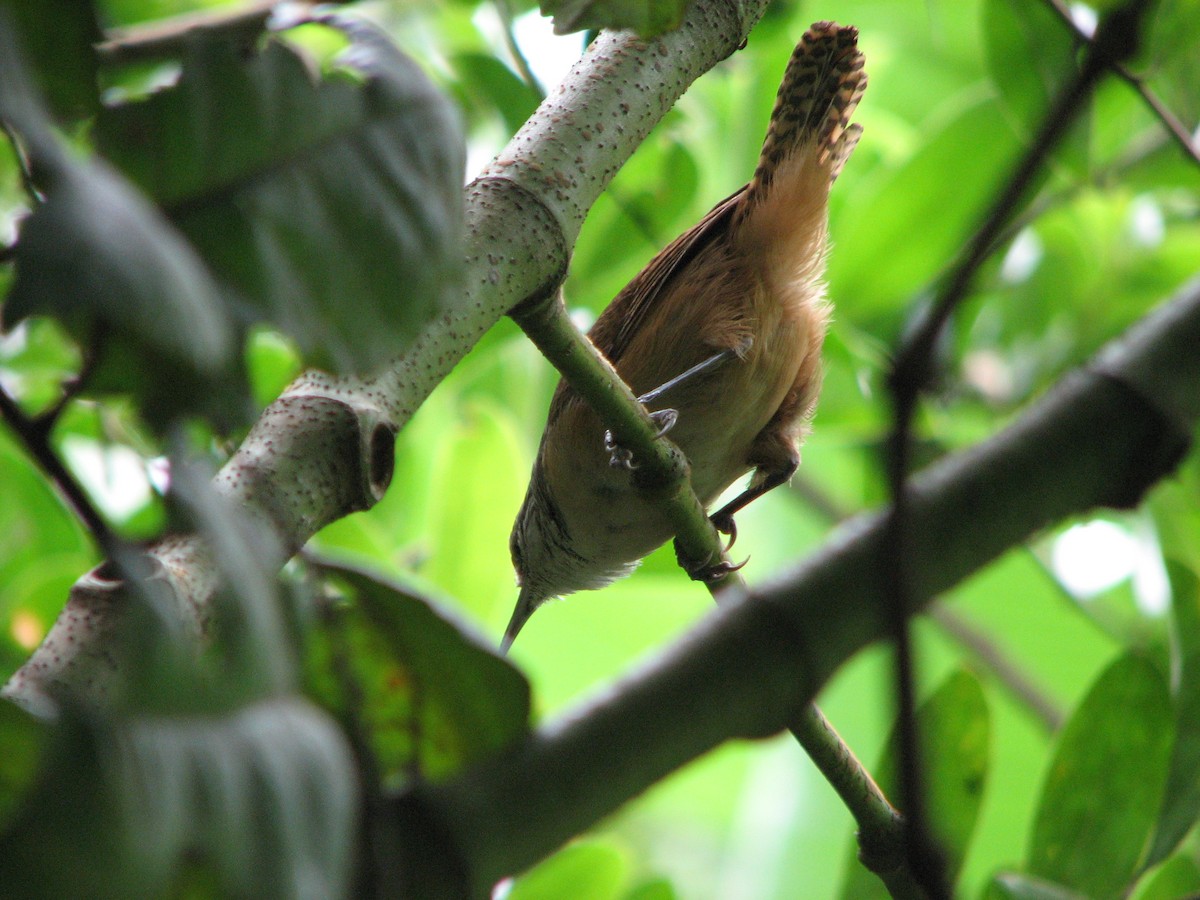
x: 712, y: 572
x: 706, y: 570
x: 665, y: 419
x: 619, y: 457
x: 725, y: 524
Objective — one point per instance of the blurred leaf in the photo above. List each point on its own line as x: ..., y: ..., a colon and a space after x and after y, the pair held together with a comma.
x: 665, y: 178
x: 268, y: 793
x: 640, y: 213
x: 332, y: 208
x: 585, y: 870
x: 264, y: 797
x: 1177, y: 520
x: 474, y: 515
x: 1168, y: 59
x: 106, y: 264
x: 250, y: 634
x: 56, y: 37
x: 1016, y: 886
x: 1177, y: 877
x: 39, y: 357
x: 649, y: 18
x: 486, y: 78
x: 23, y: 738
x: 657, y: 889
x: 956, y: 743
x: 272, y: 362
x: 470, y: 700
x: 1031, y: 57
x: 1105, y: 784
x: 1181, y: 799
x: 921, y: 193
x: 103, y: 261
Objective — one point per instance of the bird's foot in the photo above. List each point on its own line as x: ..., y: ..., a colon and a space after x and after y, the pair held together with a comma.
x: 706, y: 570
x: 724, y: 523
x: 621, y: 458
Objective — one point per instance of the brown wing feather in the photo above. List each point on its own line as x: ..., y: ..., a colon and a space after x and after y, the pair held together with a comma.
x: 623, y: 317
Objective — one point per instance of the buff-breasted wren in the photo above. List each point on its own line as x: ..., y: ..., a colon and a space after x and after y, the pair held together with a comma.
x: 741, y: 297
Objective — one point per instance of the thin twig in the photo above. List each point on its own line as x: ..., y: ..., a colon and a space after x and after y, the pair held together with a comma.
x: 504, y: 8
x: 23, y: 166
x: 988, y: 655
x: 550, y: 328
x: 912, y: 371
x: 997, y: 663
x: 34, y: 433
x: 1175, y: 128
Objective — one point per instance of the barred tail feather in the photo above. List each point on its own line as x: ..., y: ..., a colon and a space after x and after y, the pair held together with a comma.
x: 821, y: 88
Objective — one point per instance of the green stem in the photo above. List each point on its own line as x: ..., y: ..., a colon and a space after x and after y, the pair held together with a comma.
x: 663, y: 474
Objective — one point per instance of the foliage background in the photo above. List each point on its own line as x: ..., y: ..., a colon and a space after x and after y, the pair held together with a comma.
x: 956, y: 87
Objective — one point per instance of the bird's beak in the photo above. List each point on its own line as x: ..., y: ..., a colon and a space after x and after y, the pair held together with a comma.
x: 525, y: 607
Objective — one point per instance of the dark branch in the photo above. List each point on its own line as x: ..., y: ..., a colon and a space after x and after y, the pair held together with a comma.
x: 913, y: 369
x: 34, y: 433
x: 996, y: 661
x: 748, y: 669
x: 1170, y: 121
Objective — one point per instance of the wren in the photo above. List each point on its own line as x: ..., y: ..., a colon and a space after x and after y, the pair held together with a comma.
x: 737, y: 305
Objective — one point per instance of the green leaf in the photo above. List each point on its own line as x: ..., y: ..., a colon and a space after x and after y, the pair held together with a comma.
x: 1031, y: 57
x: 473, y: 515
x: 586, y: 870
x: 332, y: 208
x: 273, y: 364
x: 57, y: 37
x: 256, y: 656
x: 655, y: 889
x: 955, y: 735
x: 471, y: 701
x: 263, y: 797
x: 1168, y: 58
x: 649, y: 18
x: 882, y: 216
x: 485, y: 77
x: 103, y: 261
x: 23, y: 739
x: 1017, y: 886
x: 268, y: 793
x: 1104, y: 786
x: 1177, y: 877
x: 1181, y: 799
x: 1177, y: 518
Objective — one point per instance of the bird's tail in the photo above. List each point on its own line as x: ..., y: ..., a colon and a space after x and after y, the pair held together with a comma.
x: 821, y: 87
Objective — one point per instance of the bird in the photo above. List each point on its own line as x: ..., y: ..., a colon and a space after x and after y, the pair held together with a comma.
x: 725, y: 325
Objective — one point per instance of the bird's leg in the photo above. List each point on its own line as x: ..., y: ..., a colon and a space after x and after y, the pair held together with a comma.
x: 707, y: 570
x: 764, y: 480
x: 699, y: 368
x: 618, y: 456
x: 777, y: 463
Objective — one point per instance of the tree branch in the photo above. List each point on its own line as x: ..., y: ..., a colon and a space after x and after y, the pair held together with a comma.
x: 663, y: 478
x: 913, y: 368
x: 324, y: 448
x: 1176, y: 129
x: 746, y: 670
x: 34, y: 433
x: 993, y: 658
